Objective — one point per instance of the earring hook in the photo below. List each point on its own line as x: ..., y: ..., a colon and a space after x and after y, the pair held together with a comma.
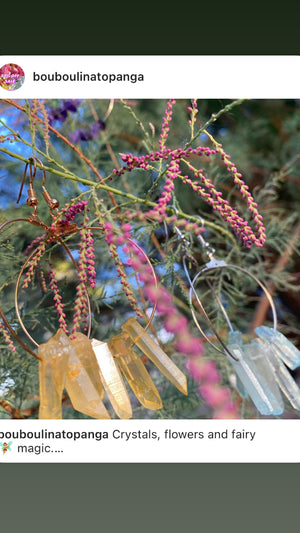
x: 30, y: 161
x: 192, y: 292
x: 32, y: 199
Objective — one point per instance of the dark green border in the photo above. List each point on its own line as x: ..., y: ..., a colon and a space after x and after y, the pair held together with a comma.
x: 146, y: 29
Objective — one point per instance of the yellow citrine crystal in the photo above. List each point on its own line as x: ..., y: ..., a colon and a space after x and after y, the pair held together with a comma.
x: 112, y: 379
x: 135, y: 372
x: 52, y: 374
x: 83, y: 381
x: 154, y: 352
x: 86, y: 355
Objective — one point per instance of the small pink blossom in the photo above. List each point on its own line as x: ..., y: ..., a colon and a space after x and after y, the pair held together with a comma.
x: 203, y: 371
x: 57, y: 300
x: 189, y: 345
x: 176, y: 323
x: 215, y: 395
x: 165, y: 124
x: 7, y: 337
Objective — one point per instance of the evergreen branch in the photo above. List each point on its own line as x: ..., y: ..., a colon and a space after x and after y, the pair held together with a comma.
x: 139, y: 123
x: 281, y: 263
x: 214, y: 117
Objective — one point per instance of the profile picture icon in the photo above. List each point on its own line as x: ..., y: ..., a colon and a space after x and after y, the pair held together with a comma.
x: 11, y: 77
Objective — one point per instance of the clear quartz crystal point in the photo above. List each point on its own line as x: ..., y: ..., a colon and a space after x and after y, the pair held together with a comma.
x: 256, y: 356
x: 112, y: 379
x: 281, y: 346
x: 236, y: 337
x: 284, y: 379
x: 133, y: 368
x: 154, y: 352
x: 83, y: 382
x: 52, y: 374
x: 264, y: 399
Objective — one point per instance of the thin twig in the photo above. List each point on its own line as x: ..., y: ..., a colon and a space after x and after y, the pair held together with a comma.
x: 58, y: 134
x: 215, y: 117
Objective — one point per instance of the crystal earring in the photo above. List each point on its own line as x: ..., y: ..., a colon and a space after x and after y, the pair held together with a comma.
x: 259, y: 366
x: 89, y: 368
x: 115, y: 358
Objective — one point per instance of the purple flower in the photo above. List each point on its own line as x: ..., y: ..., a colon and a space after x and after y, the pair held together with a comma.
x: 102, y: 125
x: 80, y: 135
x: 96, y: 127
x: 95, y: 130
x: 61, y: 113
x: 71, y: 105
x: 57, y: 114
x: 74, y: 137
x: 85, y: 135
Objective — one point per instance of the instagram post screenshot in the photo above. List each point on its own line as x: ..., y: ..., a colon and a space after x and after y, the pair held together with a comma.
x: 149, y: 259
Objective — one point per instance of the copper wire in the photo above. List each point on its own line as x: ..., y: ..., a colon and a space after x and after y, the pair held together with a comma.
x: 66, y: 248
x: 152, y: 272
x: 35, y: 221
x: 6, y: 322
